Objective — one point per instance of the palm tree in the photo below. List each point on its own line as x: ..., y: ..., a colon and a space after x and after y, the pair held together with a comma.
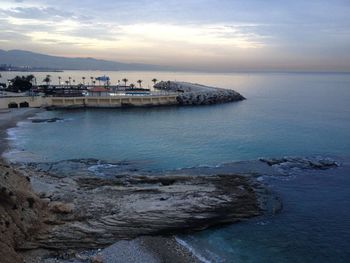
x: 83, y: 78
x: 59, y: 80
x: 154, y: 81
x: 30, y: 78
x: 139, y: 82
x: 67, y: 82
x: 70, y: 78
x: 125, y: 81
x: 92, y: 80
x: 47, y: 79
x: 132, y: 85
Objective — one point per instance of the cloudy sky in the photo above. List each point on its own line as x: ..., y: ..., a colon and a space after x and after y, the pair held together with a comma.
x: 221, y: 35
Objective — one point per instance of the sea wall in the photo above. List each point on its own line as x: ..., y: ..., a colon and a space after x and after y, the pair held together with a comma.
x: 28, y: 101
x: 196, y: 94
x: 89, y: 102
x: 114, y: 101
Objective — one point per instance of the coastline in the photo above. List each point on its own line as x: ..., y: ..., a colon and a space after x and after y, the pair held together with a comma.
x: 155, y: 248
x: 9, y: 118
x: 158, y: 248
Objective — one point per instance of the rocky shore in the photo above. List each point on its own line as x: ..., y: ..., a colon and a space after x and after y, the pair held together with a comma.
x: 59, y: 213
x: 196, y: 94
x: 94, y: 211
x: 68, y: 210
x: 45, y: 210
x: 49, y: 210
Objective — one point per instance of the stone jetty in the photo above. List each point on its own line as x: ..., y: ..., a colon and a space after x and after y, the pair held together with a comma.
x: 197, y: 94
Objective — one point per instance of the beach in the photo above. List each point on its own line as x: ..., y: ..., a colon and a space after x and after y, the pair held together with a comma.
x: 9, y: 118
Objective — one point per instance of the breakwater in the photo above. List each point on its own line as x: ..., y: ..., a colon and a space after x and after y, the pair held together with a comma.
x: 176, y: 93
x: 197, y: 94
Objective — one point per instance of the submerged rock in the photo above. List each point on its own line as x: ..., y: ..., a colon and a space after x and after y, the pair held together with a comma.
x: 196, y: 94
x: 46, y: 120
x: 287, y: 165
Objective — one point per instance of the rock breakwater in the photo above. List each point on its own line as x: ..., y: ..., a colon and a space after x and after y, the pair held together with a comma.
x: 196, y: 94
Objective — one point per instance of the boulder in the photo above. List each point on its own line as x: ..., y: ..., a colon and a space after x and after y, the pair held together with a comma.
x: 61, y: 208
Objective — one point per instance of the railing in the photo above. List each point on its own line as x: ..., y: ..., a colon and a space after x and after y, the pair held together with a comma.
x: 130, y: 93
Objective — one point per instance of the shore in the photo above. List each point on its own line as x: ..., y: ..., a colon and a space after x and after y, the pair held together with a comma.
x: 153, y: 248
x: 150, y: 249
x: 9, y: 118
x: 52, y: 215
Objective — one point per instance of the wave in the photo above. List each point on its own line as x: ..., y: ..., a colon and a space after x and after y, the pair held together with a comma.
x: 21, y: 156
x: 96, y: 169
x: 192, y: 250
x: 12, y: 134
x: 200, y: 166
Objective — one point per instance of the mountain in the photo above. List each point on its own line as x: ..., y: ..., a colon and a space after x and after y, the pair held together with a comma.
x: 21, y: 58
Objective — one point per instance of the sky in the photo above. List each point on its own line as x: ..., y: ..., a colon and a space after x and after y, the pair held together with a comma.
x: 221, y: 35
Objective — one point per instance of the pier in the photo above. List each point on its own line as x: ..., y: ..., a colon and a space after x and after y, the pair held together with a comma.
x: 167, y: 93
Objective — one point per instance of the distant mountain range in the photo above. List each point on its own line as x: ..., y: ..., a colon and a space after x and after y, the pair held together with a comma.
x: 21, y: 58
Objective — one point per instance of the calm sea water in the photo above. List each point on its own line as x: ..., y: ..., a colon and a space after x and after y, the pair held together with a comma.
x: 284, y: 114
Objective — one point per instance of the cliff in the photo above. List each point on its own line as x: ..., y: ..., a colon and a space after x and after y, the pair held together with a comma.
x: 20, y: 213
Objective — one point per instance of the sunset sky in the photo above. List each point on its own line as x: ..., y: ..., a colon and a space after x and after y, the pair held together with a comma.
x: 220, y: 35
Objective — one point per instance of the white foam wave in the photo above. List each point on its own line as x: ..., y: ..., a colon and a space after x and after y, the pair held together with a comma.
x: 96, y: 169
x: 20, y: 156
x: 192, y: 250
x: 12, y: 134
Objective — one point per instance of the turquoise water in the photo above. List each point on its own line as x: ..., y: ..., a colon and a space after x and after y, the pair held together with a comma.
x: 284, y: 114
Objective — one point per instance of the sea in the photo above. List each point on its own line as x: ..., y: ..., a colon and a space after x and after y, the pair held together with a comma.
x: 284, y: 114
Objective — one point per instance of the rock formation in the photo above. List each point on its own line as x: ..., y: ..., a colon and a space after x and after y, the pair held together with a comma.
x: 20, y: 213
x: 89, y: 211
x: 290, y: 165
x: 196, y: 94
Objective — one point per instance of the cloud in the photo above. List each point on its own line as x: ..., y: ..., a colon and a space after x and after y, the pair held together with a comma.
x: 193, y: 31
x: 47, y: 13
x: 11, y: 36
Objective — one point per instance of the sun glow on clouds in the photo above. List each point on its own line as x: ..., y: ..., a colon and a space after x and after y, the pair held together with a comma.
x: 220, y: 35
x: 70, y: 32
x: 153, y: 38
x: 141, y: 35
x: 183, y: 33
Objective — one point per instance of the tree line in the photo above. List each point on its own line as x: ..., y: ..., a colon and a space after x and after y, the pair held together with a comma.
x: 26, y: 83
